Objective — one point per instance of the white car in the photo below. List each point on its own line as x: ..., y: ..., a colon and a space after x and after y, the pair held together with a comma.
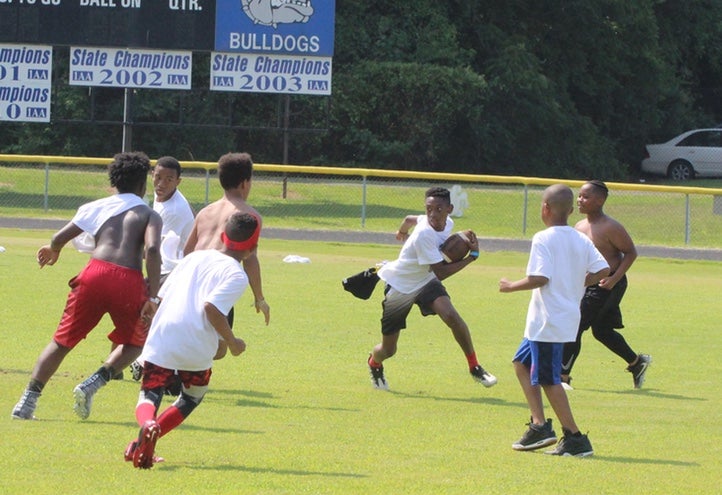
x: 696, y: 153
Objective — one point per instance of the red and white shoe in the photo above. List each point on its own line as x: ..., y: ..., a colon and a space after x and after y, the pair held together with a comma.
x: 145, y: 446
x: 131, y: 449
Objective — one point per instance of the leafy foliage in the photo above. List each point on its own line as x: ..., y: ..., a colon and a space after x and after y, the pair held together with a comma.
x: 567, y: 89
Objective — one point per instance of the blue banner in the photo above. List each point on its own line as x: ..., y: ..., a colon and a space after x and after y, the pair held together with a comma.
x: 278, y: 27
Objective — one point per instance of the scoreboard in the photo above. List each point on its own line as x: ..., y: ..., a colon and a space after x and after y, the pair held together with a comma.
x: 171, y: 24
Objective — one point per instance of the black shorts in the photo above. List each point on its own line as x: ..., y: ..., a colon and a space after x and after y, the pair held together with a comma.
x: 396, y: 305
x: 600, y: 307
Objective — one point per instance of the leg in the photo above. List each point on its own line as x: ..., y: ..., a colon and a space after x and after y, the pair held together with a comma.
x: 614, y: 341
x: 560, y: 404
x: 49, y: 362
x: 121, y: 356
x: 460, y: 330
x: 532, y: 393
x: 183, y: 406
x: 570, y: 355
x: 46, y: 366
x: 442, y: 306
x: 386, y: 348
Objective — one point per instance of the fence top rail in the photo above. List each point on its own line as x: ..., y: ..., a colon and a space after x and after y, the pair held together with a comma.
x: 368, y: 172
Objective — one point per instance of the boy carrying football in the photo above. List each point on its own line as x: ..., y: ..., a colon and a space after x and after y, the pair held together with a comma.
x: 415, y: 278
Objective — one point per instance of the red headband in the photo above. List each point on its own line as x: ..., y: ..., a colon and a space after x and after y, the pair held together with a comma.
x: 249, y: 244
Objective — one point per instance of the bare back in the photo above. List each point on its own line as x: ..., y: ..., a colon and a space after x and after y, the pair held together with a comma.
x: 211, y: 220
x: 121, y: 240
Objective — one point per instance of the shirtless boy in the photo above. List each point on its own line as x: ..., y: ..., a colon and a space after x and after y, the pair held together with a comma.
x: 124, y: 228
x: 600, y: 305
x: 235, y: 173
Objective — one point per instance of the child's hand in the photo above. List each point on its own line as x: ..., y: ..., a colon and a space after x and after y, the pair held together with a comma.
x: 237, y: 347
x: 504, y: 285
x: 47, y: 256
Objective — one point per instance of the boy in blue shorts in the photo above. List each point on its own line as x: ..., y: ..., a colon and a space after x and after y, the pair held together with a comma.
x: 562, y: 262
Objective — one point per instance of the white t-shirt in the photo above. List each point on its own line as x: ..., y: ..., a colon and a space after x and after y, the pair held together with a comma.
x: 564, y: 256
x: 177, y: 218
x: 411, y: 271
x: 180, y: 336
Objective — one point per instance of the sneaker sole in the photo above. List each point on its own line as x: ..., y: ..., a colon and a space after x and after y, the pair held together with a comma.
x: 14, y: 416
x: 486, y: 383
x: 567, y: 454
x: 81, y: 403
x: 538, y: 445
x: 375, y: 385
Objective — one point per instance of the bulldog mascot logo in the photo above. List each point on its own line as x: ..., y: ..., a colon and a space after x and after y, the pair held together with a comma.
x: 274, y: 12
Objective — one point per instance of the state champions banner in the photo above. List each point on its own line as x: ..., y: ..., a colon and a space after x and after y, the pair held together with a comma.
x: 277, y: 46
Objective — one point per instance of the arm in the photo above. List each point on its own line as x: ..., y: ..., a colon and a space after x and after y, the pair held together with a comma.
x: 409, y: 222
x: 220, y: 323
x: 444, y: 270
x: 192, y: 239
x: 620, y: 239
x: 152, y: 265
x: 527, y: 283
x: 253, y: 270
x: 594, y: 278
x: 49, y: 254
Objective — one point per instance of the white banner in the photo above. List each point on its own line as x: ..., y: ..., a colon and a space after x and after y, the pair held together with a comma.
x: 259, y: 73
x: 130, y: 68
x: 25, y: 82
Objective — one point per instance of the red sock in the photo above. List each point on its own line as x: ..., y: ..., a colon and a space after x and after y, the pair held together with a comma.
x: 170, y: 418
x: 473, y: 362
x: 373, y: 363
x: 143, y: 412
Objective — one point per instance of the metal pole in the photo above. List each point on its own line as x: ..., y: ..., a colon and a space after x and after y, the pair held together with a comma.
x: 208, y: 176
x: 286, y: 120
x: 47, y: 187
x: 526, y: 206
x: 363, y: 204
x: 127, y: 120
x: 686, y: 219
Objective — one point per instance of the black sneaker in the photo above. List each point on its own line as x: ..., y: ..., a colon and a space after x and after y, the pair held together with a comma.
x: 573, y: 445
x: 378, y: 380
x: 639, y: 370
x: 536, y: 437
x: 482, y: 376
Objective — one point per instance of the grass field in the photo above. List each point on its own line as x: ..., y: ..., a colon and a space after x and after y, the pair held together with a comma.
x: 296, y: 413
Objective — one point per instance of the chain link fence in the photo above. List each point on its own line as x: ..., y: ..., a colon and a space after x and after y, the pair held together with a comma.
x: 366, y: 200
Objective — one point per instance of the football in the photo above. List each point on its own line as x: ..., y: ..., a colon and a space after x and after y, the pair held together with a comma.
x: 455, y: 247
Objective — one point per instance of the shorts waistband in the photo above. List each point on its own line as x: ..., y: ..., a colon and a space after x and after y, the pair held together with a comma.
x: 107, y: 265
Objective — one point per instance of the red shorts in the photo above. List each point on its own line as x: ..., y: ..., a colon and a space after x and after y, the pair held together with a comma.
x: 100, y: 288
x: 155, y: 376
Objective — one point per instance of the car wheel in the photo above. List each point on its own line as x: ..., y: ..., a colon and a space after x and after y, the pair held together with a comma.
x: 680, y: 170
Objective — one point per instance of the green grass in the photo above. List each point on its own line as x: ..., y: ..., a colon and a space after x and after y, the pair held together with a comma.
x: 652, y: 218
x: 296, y: 413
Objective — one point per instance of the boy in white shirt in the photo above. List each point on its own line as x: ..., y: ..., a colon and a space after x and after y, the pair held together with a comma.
x: 177, y: 216
x: 173, y: 208
x: 415, y: 278
x: 562, y: 262
x: 187, y: 330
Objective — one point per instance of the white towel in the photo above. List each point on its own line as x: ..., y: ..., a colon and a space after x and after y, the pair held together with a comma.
x: 91, y: 216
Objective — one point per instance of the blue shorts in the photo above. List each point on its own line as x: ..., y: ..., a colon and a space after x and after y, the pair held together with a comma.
x: 544, y: 360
